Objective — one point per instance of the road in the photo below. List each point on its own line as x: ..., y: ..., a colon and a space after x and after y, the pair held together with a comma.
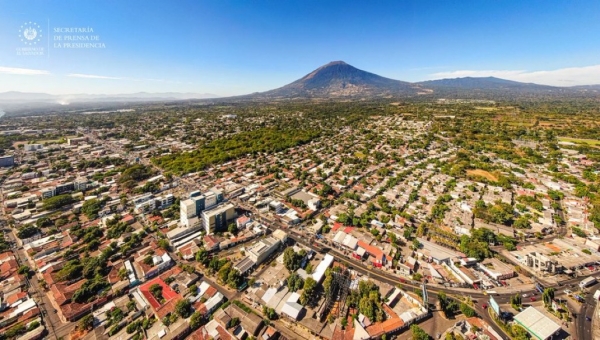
x: 584, y: 327
x: 56, y: 328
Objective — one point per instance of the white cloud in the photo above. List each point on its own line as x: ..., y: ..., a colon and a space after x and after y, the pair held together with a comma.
x: 22, y: 71
x: 571, y: 76
x: 91, y: 76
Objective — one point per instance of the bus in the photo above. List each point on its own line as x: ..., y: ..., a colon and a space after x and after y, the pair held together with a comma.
x: 588, y: 281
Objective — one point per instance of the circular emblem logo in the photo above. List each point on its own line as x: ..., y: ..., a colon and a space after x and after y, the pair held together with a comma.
x: 30, y: 33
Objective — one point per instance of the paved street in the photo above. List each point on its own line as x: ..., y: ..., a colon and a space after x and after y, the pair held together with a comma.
x: 56, y: 328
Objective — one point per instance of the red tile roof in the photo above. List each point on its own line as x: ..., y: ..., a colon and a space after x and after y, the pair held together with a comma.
x: 167, y: 293
x: 372, y: 250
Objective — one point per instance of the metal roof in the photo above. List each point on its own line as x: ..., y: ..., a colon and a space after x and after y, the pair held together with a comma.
x: 536, y: 323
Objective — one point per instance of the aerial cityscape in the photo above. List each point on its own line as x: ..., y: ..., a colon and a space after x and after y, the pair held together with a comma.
x: 299, y: 170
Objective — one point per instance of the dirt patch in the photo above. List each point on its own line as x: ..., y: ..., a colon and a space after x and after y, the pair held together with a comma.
x: 482, y: 173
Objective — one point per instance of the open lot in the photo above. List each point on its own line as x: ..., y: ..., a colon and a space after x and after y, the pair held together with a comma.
x: 482, y: 173
x: 593, y: 142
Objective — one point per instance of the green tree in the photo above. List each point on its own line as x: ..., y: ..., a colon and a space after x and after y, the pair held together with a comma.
x: 183, y: 308
x: 164, y: 244
x: 232, y: 228
x: 202, y: 256
x: 418, y: 333
x: 294, y: 282
x: 548, y: 296
x: 57, y: 202
x: 467, y: 310
x: 291, y: 259
x: 87, y: 322
x: 196, y: 320
x: 91, y: 208
x: 308, y: 291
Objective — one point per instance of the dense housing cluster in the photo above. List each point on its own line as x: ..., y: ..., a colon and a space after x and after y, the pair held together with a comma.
x: 296, y: 220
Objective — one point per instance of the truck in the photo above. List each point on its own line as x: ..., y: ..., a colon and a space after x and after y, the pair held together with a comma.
x: 588, y: 281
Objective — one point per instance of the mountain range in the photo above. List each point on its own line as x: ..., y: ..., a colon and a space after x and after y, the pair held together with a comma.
x: 338, y: 80
x: 335, y: 80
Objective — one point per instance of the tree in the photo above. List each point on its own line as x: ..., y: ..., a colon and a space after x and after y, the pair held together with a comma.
x: 87, y: 322
x: 156, y: 291
x: 202, y: 256
x: 23, y: 270
x: 232, y: 228
x: 418, y: 333
x: 522, y: 223
x: 196, y: 320
x: 548, y: 296
x: 308, y: 291
x: 294, y: 282
x: 291, y: 259
x: 183, y: 308
x: 164, y: 244
x: 27, y: 231
x: 515, y: 301
x: 57, y: 202
x: 270, y: 313
x: 467, y: 310
x: 91, y: 208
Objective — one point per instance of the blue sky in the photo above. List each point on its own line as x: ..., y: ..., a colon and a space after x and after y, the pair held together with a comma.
x: 237, y: 47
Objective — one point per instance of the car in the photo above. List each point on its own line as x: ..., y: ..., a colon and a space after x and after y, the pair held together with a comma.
x: 588, y: 318
x: 532, y: 299
x: 525, y: 295
x: 484, y: 306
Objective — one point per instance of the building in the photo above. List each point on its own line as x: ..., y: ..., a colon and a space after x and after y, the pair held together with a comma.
x: 64, y: 188
x: 216, y: 219
x: 161, y: 202
x: 259, y: 251
x: 160, y: 307
x: 437, y: 253
x: 80, y: 184
x: 322, y: 267
x: 6, y: 161
x: 187, y: 211
x: 537, y: 324
x: 496, y: 269
x: 32, y: 147
x: 197, y: 203
x: 76, y: 141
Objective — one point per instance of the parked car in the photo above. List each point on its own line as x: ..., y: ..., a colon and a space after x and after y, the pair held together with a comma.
x: 532, y: 299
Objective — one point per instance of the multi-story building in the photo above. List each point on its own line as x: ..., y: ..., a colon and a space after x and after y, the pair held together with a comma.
x: 80, y: 184
x: 32, y: 147
x: 160, y: 202
x: 216, y: 219
x: 64, y: 187
x: 259, y: 251
x: 76, y: 141
x: 197, y: 203
x: 6, y: 161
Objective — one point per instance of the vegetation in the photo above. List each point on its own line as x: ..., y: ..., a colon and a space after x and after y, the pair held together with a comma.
x: 222, y: 150
x: 292, y: 260
x: 58, y: 202
x: 91, y: 208
x: 418, y: 333
x: 308, y: 291
x: 367, y: 299
x: 294, y: 282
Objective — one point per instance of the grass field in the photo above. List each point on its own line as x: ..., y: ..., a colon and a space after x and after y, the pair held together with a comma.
x: 593, y: 142
x: 482, y: 173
